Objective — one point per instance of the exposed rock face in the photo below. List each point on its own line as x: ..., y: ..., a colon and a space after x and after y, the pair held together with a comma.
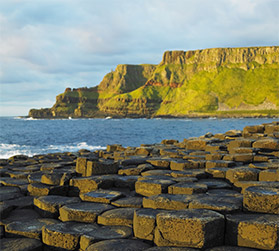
x: 210, y: 82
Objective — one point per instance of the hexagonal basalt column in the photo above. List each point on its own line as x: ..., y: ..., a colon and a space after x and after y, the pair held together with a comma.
x: 197, y: 228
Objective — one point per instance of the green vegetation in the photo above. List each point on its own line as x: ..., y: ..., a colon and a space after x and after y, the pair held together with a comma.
x: 221, y: 82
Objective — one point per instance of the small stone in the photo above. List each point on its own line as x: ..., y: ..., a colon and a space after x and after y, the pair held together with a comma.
x: 118, y: 217
x: 101, y: 196
x: 118, y: 245
x: 261, y: 199
x: 219, y: 163
x: 83, y: 211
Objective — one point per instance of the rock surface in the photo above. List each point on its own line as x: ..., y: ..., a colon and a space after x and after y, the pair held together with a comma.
x: 174, y: 195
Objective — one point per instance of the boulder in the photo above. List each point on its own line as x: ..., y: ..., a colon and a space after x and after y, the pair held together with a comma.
x: 197, y: 228
x: 261, y: 199
x: 254, y: 231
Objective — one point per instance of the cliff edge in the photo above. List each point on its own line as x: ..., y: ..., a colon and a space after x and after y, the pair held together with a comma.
x: 210, y: 82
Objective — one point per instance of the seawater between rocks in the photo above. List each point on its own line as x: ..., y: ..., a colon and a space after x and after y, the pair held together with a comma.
x: 32, y: 136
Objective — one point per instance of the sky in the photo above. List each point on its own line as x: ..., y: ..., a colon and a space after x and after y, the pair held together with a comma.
x: 49, y: 45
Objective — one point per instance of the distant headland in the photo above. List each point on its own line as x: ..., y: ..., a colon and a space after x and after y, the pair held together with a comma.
x: 221, y: 82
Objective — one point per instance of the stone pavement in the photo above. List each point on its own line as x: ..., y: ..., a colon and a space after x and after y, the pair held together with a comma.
x: 214, y: 192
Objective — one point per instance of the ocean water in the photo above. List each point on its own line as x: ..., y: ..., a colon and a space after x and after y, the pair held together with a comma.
x: 40, y: 136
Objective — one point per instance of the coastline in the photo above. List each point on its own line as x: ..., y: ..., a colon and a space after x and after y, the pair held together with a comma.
x: 129, y: 196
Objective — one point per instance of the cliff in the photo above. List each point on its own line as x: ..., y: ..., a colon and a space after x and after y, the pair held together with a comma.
x: 210, y: 82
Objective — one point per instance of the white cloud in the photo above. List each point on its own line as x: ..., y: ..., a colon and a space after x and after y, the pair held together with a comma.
x: 49, y: 45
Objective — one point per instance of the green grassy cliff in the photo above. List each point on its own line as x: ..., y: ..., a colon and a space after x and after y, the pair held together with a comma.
x: 211, y: 82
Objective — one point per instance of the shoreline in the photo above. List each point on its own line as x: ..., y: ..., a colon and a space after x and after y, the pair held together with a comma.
x: 224, y: 187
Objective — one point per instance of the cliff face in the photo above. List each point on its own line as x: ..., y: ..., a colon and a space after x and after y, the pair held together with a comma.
x: 192, y: 83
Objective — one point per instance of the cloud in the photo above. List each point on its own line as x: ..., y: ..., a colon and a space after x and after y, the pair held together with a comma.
x: 49, y: 45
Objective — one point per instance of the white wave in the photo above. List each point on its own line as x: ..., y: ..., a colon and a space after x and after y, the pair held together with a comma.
x: 8, y: 150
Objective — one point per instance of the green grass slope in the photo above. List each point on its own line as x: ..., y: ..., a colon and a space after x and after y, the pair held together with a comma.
x: 214, y: 82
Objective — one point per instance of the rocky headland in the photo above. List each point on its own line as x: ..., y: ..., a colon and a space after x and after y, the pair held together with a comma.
x: 226, y: 82
x: 214, y: 192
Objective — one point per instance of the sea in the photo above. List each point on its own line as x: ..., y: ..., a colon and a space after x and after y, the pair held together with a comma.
x: 30, y: 137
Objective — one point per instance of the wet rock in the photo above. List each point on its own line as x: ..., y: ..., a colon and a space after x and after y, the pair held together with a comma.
x: 48, y: 206
x: 30, y: 229
x: 187, y: 188
x: 133, y: 202
x: 195, y: 228
x: 105, y: 233
x: 246, y: 230
x: 20, y: 244
x: 82, y: 212
x: 118, y: 217
x: 152, y: 187
x: 262, y: 199
x: 118, y: 245
x: 101, y: 196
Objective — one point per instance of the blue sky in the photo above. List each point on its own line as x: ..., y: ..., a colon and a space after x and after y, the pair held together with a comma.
x: 48, y: 45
